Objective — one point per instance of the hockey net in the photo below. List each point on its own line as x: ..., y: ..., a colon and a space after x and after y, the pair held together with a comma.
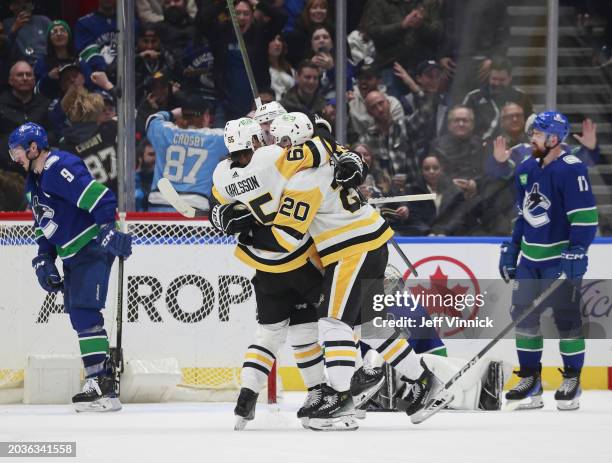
x: 185, y: 296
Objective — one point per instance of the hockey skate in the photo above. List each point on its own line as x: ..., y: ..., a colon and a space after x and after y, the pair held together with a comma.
x: 335, y: 412
x: 414, y: 394
x: 568, y: 394
x: 527, y: 394
x: 98, y: 395
x: 365, y: 383
x: 492, y: 387
x: 245, y: 408
x: 312, y: 402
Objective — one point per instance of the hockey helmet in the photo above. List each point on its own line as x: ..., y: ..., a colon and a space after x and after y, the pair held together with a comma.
x: 269, y: 112
x: 25, y: 134
x: 239, y: 133
x: 295, y: 126
x: 552, y: 123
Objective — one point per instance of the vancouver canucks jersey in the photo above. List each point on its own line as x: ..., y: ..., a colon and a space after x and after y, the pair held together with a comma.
x: 259, y: 186
x: 339, y: 223
x: 556, y: 209
x: 186, y: 157
x: 68, y: 205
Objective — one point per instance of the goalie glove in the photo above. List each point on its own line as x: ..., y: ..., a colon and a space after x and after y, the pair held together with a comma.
x: 231, y: 218
x: 350, y: 171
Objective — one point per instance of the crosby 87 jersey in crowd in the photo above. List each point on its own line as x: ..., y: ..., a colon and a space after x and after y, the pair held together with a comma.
x: 259, y: 186
x: 556, y: 209
x: 339, y: 222
x: 186, y: 157
x: 68, y: 205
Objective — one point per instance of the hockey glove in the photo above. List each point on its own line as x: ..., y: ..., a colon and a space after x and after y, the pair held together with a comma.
x: 48, y: 276
x: 113, y: 241
x: 350, y: 170
x: 507, y: 260
x: 231, y: 218
x: 574, y: 262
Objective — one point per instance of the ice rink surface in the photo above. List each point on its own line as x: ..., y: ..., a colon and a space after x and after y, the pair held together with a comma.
x: 194, y: 432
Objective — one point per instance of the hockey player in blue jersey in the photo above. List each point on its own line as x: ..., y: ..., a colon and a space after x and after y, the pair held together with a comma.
x: 74, y: 219
x: 187, y: 151
x: 556, y: 224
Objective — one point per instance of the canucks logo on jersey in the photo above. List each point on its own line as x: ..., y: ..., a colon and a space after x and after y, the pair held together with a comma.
x: 44, y: 215
x: 535, y: 207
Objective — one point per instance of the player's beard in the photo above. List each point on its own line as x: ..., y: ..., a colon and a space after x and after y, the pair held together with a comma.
x: 537, y: 152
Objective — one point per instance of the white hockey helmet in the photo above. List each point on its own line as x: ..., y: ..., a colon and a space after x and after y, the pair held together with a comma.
x: 269, y: 111
x: 239, y: 134
x: 295, y: 126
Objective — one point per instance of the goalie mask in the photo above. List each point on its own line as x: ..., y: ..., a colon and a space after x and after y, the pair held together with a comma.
x: 242, y: 134
x: 292, y: 129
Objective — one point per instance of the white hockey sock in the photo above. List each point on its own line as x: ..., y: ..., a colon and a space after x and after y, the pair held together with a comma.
x: 258, y: 362
x: 340, y: 352
x: 398, y: 353
x: 309, y: 359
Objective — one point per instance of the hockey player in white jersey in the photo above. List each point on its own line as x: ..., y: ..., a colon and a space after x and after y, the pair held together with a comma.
x: 247, y: 189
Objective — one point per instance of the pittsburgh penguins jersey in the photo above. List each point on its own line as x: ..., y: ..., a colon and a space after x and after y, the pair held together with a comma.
x: 556, y: 209
x: 339, y: 223
x: 68, y: 205
x: 186, y: 157
x: 259, y: 186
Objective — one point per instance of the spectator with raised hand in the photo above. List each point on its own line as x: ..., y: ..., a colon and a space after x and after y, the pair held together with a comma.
x: 19, y: 104
x: 160, y: 95
x: 426, y: 105
x: 390, y: 140
x: 305, y: 96
x: 322, y: 55
x: 368, y: 80
x: 151, y: 57
x: 487, y: 101
x: 282, y: 75
x: 361, y: 45
x: 60, y: 51
x: 476, y: 31
x: 230, y: 74
x: 27, y: 32
x: 403, y: 31
x: 316, y: 13
x: 442, y: 216
x: 152, y: 11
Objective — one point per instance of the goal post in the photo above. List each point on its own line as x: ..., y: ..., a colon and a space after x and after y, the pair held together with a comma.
x: 185, y: 296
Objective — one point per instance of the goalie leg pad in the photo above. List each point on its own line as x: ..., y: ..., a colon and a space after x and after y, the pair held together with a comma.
x: 261, y: 355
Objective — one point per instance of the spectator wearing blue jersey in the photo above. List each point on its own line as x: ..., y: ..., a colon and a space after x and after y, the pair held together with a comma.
x: 96, y: 34
x: 74, y: 219
x: 27, y: 32
x: 556, y: 224
x: 187, y: 151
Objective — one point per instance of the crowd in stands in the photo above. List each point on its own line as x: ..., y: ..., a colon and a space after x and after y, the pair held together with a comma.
x: 431, y: 102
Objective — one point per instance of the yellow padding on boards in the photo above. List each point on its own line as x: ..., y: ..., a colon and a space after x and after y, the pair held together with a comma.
x: 592, y: 378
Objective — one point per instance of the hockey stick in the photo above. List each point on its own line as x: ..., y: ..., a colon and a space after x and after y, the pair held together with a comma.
x: 174, y: 199
x: 443, y: 396
x: 403, y: 198
x: 243, y: 53
x: 117, y: 353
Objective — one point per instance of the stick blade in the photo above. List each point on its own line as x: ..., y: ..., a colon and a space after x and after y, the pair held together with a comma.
x: 169, y: 193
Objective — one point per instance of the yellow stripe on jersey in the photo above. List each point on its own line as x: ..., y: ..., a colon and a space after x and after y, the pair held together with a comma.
x: 357, y: 245
x: 298, y: 208
x: 218, y: 196
x: 351, y: 226
x: 283, y: 266
x: 313, y: 153
x: 399, y: 344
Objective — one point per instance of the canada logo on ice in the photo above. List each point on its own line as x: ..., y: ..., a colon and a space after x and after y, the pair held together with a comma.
x: 447, y: 277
